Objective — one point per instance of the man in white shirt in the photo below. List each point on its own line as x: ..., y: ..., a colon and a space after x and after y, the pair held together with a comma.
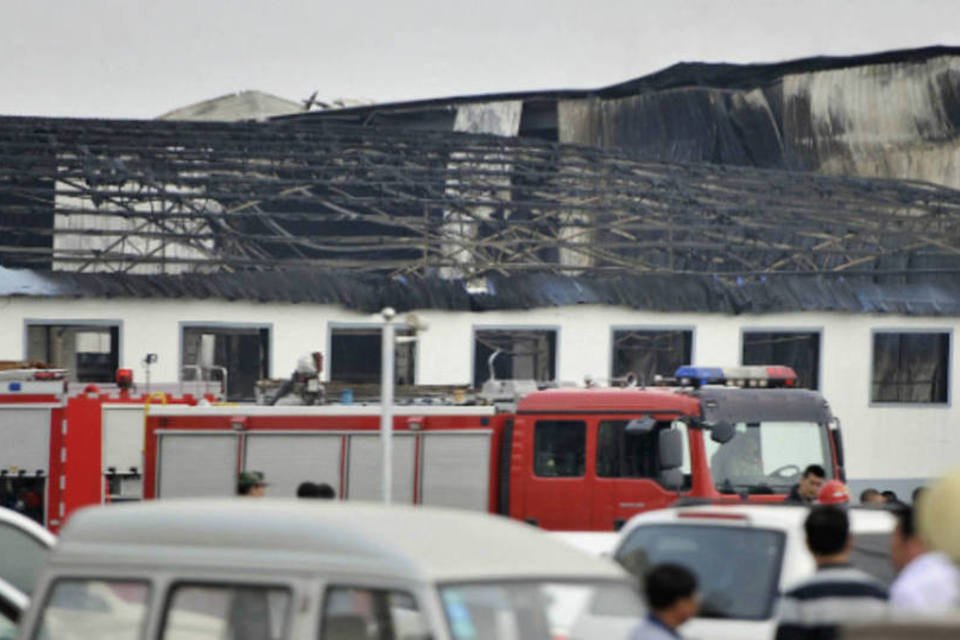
x: 928, y: 580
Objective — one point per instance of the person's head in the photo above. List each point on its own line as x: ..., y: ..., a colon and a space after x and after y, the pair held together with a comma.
x: 915, y: 496
x: 833, y: 492
x: 251, y: 483
x: 828, y: 532
x: 891, y: 497
x: 322, y: 491
x: 905, y: 544
x: 871, y: 497
x: 811, y: 480
x: 671, y: 592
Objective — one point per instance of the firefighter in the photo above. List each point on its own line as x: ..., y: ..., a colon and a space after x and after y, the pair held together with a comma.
x: 251, y: 484
x: 833, y: 492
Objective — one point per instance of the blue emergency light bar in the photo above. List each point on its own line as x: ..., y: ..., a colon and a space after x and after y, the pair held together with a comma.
x: 754, y: 376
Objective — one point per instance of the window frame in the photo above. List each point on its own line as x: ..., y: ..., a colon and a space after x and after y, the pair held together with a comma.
x: 183, y: 326
x: 476, y: 328
x: 650, y: 328
x: 50, y: 586
x: 77, y: 323
x: 398, y: 327
x: 407, y: 590
x: 170, y: 587
x: 583, y: 422
x: 948, y: 357
x: 819, y: 330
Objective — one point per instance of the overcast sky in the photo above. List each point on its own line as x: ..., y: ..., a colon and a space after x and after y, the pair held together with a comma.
x: 141, y: 58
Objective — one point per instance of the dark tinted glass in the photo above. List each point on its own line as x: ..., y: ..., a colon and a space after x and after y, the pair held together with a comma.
x: 560, y: 448
x: 910, y: 367
x: 801, y: 351
x: 738, y: 569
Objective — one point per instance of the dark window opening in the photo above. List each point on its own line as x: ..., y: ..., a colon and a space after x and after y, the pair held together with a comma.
x: 625, y: 455
x: 355, y: 356
x: 560, y: 448
x: 910, y: 367
x: 91, y: 353
x: 647, y: 354
x: 799, y: 350
x: 523, y: 355
x: 241, y: 355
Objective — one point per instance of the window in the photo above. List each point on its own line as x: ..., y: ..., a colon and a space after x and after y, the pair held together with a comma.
x: 220, y: 611
x: 524, y: 354
x: 910, y: 367
x: 621, y: 454
x: 95, y: 609
x: 529, y: 610
x: 355, y: 356
x: 797, y: 349
x: 768, y: 457
x: 359, y: 614
x: 625, y: 455
x: 737, y: 568
x: 647, y: 354
x: 91, y: 352
x: 238, y: 354
x: 21, y: 556
x: 560, y: 448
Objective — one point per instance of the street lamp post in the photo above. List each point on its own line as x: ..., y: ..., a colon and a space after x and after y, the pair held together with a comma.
x: 386, y: 401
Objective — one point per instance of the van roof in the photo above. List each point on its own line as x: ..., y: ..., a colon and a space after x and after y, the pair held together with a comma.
x: 418, y: 543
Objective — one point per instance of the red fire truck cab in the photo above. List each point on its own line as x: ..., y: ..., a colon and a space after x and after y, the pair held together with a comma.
x: 565, y: 459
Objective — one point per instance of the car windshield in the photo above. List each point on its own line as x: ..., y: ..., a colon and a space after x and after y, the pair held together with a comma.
x: 540, y: 610
x: 768, y: 457
x: 737, y: 569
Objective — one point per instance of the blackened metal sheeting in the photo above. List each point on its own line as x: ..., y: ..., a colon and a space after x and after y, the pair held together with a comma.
x: 370, y: 293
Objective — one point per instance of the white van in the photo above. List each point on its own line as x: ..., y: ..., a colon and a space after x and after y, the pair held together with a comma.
x: 270, y: 570
x: 744, y: 556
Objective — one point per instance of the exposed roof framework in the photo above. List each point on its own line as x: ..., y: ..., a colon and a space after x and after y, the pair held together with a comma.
x: 175, y: 197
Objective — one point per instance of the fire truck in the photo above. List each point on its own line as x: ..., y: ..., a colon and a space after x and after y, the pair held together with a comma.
x: 561, y: 458
x: 65, y: 445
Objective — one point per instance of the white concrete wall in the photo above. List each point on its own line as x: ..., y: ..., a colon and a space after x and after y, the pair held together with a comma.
x: 905, y: 441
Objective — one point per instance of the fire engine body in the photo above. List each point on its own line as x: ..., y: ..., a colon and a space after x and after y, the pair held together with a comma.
x: 65, y: 448
x: 564, y: 459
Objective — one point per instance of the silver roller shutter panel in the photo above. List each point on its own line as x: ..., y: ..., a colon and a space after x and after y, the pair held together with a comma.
x: 197, y: 465
x: 456, y: 470
x: 123, y: 438
x: 286, y: 460
x: 364, y: 476
x: 25, y: 434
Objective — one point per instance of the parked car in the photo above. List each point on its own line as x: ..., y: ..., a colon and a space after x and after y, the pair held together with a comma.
x: 744, y: 556
x: 24, y: 547
x: 271, y: 569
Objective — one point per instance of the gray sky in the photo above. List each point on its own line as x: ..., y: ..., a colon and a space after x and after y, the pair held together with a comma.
x: 141, y: 58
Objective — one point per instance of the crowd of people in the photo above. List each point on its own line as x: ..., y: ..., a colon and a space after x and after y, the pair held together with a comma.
x: 924, y: 549
x: 253, y: 484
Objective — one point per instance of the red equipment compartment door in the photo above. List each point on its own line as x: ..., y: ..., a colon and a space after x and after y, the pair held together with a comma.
x: 628, y: 473
x: 556, y: 492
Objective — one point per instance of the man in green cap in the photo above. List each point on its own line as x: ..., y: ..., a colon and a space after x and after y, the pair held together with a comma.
x: 251, y: 484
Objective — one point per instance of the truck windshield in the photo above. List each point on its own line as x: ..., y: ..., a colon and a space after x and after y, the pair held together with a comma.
x: 540, y: 610
x: 768, y: 457
x: 738, y: 569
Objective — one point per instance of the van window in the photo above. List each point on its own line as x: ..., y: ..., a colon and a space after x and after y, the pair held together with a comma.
x: 560, y: 448
x: 95, y: 609
x: 354, y: 613
x: 201, y: 612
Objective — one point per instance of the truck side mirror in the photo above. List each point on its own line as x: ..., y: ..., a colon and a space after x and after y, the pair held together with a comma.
x: 641, y: 425
x: 670, y: 443
x: 671, y: 479
x: 722, y: 432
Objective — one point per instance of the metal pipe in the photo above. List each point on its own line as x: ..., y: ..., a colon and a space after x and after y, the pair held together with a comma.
x: 386, y: 402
